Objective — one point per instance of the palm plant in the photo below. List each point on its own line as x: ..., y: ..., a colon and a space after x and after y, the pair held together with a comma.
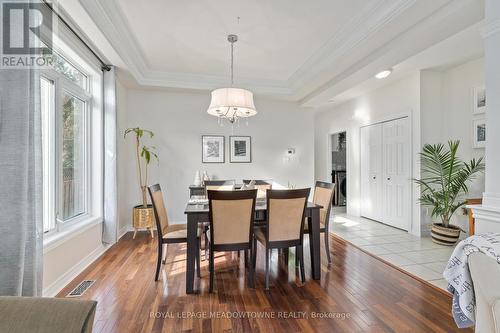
x: 144, y: 155
x: 445, y: 179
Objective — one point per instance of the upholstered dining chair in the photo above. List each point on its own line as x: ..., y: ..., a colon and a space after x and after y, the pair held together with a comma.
x: 285, y: 225
x: 323, y: 196
x: 219, y: 185
x: 215, y: 185
x: 261, y: 185
x: 168, y: 233
x: 231, y: 215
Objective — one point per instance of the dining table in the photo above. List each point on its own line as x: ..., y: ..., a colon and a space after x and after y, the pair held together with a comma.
x: 197, y: 212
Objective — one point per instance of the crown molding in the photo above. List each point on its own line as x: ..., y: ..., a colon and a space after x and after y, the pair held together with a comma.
x: 117, y: 33
x: 490, y: 28
x: 359, y: 28
x: 110, y: 19
x: 443, y: 23
x: 208, y: 82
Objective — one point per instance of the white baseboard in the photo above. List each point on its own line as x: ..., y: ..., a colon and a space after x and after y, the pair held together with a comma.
x: 124, y: 230
x: 55, y: 287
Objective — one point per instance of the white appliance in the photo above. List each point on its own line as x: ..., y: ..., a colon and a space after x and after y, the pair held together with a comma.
x: 386, y: 172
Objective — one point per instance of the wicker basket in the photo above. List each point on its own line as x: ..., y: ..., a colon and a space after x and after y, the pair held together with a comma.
x: 143, y: 218
x: 445, y: 236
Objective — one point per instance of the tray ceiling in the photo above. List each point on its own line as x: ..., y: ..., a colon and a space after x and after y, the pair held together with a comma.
x: 285, y: 48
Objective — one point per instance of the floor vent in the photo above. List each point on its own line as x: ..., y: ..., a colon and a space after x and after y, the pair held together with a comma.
x: 81, y: 288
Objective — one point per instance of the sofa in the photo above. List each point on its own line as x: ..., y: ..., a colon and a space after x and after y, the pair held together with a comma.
x: 46, y: 315
x: 485, y: 272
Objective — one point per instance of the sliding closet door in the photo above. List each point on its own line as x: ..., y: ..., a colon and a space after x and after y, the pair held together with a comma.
x: 371, y: 171
x: 396, y: 173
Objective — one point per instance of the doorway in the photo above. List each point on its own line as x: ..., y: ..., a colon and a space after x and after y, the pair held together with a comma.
x: 338, y: 167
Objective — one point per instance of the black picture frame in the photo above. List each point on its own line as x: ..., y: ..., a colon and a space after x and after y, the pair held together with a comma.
x: 222, y: 149
x: 247, y: 158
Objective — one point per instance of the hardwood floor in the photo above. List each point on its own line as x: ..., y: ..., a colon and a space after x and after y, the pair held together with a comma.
x: 358, y: 293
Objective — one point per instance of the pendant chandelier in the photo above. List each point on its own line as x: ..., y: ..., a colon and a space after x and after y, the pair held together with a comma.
x: 231, y: 103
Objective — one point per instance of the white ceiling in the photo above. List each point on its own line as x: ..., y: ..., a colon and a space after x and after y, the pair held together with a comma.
x: 307, y: 51
x: 439, y: 57
x: 276, y: 37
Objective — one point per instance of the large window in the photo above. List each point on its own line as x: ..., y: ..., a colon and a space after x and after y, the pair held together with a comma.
x: 67, y: 104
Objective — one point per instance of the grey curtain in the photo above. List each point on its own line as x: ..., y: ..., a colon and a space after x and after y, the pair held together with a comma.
x: 21, y: 219
x: 110, y: 226
x: 21, y: 225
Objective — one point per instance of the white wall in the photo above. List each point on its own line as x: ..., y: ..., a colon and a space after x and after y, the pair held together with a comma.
x: 456, y: 117
x: 458, y: 84
x: 179, y: 119
x: 399, y: 98
x: 65, y: 259
x: 441, y: 102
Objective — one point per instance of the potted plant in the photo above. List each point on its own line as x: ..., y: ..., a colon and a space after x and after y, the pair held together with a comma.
x: 443, y: 186
x: 143, y: 215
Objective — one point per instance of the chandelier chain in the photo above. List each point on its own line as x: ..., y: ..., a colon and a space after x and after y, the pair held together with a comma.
x: 232, y: 63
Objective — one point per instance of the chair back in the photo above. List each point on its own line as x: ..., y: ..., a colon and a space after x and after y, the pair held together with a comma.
x: 231, y: 216
x: 285, y: 214
x: 159, y: 209
x: 219, y: 185
x: 260, y: 185
x: 323, y: 196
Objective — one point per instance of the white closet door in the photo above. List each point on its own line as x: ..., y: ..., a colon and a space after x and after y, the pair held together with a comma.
x: 396, y: 173
x: 371, y: 171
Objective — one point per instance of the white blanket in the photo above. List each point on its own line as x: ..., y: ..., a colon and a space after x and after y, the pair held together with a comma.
x: 458, y: 275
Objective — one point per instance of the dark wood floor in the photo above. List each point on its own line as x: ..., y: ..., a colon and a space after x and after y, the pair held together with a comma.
x: 358, y: 292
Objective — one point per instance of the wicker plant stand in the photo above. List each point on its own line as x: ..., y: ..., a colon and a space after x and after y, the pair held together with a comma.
x: 143, y: 218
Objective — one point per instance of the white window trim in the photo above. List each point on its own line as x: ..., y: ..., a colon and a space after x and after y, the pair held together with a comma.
x: 48, y: 123
x: 64, y: 231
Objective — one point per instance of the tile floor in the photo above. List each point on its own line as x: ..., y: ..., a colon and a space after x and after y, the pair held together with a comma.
x: 418, y: 256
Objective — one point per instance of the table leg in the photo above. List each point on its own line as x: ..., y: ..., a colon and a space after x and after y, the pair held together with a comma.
x: 314, y: 244
x: 192, y: 226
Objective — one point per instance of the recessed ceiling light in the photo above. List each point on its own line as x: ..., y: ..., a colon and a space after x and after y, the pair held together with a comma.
x: 384, y: 74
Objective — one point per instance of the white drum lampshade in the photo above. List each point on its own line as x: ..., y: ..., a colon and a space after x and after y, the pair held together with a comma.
x: 232, y: 103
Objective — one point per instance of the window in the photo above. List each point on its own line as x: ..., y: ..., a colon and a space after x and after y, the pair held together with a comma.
x: 71, y: 116
x: 69, y: 71
x: 74, y: 166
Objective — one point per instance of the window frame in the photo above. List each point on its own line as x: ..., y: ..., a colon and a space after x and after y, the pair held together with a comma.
x: 92, y: 96
x: 48, y: 146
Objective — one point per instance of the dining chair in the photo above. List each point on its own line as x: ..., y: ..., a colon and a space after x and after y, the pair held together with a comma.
x: 285, y: 225
x: 168, y: 233
x: 323, y: 196
x: 231, y: 215
x: 260, y: 184
x: 215, y: 185
x: 219, y: 185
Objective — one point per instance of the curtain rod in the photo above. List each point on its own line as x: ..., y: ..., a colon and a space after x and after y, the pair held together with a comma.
x: 104, y: 66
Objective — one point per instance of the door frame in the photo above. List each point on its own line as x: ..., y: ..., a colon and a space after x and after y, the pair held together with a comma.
x: 329, y: 155
x: 383, y: 119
